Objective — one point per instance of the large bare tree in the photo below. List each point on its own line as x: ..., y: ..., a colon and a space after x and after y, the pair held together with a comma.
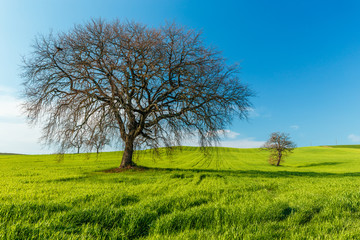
x: 144, y: 86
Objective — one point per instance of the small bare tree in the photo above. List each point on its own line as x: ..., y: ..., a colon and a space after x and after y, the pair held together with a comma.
x: 75, y: 141
x: 130, y: 83
x: 279, y: 145
x: 99, y: 142
x: 77, y: 144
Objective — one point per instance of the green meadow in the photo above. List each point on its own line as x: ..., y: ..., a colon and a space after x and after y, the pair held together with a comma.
x: 227, y: 194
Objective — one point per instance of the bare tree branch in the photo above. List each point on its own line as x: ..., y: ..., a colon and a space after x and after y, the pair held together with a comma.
x: 146, y: 86
x: 280, y: 146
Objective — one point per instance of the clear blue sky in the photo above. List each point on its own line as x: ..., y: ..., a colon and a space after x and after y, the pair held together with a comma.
x: 302, y: 58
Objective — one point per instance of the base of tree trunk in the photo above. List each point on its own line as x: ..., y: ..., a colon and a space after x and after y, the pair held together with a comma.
x: 119, y: 170
x: 128, y: 166
x: 126, y: 161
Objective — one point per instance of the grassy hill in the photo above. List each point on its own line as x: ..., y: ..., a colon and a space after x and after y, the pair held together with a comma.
x: 9, y: 154
x: 231, y: 194
x: 315, y: 159
x: 344, y: 146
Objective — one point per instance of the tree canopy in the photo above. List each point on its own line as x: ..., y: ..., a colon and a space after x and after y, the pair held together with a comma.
x: 132, y: 84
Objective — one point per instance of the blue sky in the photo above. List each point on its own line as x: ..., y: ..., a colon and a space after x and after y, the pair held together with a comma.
x: 302, y: 58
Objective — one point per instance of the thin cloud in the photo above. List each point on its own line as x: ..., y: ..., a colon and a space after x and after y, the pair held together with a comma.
x: 6, y: 90
x: 9, y: 106
x: 19, y: 138
x: 294, y: 127
x: 226, y: 133
x: 16, y: 135
x: 231, y: 140
x: 253, y: 113
x: 242, y: 143
x: 354, y: 138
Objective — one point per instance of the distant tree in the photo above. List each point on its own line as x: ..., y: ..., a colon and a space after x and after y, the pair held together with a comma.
x: 279, y: 145
x: 99, y: 142
x: 77, y: 144
x: 76, y: 141
x: 144, y: 86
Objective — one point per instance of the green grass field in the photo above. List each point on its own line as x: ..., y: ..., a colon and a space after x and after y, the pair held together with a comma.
x: 232, y: 194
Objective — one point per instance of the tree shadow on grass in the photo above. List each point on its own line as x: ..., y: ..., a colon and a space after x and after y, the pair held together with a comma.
x: 253, y: 173
x: 320, y: 164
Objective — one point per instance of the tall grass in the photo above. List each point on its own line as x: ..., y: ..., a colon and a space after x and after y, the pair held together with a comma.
x: 236, y: 195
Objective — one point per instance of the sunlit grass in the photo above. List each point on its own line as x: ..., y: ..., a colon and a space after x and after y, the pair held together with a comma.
x: 232, y: 194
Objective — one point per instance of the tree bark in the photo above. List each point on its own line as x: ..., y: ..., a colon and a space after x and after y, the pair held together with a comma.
x: 279, y: 159
x: 127, y: 161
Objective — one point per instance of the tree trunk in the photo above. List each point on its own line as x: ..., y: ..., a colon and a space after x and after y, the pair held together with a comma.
x: 126, y: 161
x: 279, y: 159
